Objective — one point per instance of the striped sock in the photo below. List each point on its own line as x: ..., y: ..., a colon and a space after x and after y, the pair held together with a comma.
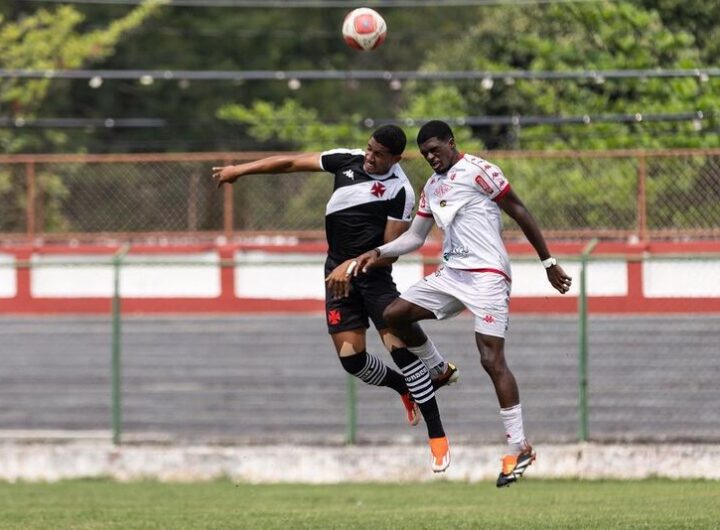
x: 421, y: 390
x: 373, y: 371
x: 430, y: 356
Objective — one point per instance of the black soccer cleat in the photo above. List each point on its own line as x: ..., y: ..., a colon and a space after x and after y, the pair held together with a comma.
x: 513, y: 466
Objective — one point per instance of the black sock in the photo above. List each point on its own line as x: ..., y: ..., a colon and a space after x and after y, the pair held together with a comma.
x: 370, y: 369
x: 420, y: 386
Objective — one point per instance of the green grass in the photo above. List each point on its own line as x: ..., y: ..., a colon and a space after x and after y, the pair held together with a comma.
x: 536, y: 504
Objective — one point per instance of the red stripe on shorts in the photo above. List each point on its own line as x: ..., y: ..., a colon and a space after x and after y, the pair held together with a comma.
x: 494, y: 271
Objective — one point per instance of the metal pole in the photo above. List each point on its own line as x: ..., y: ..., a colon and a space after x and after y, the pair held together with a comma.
x: 116, y: 347
x: 351, y: 409
x: 30, y: 211
x: 583, y: 410
x: 642, y: 199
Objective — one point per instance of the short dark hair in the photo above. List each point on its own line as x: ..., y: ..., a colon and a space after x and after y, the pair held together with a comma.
x: 392, y: 137
x: 434, y: 129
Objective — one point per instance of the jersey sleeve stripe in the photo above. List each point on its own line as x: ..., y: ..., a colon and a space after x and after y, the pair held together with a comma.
x: 423, y: 214
x: 489, y: 179
x: 502, y: 193
x: 339, y: 151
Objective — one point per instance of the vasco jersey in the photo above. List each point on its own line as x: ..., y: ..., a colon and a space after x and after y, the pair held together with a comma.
x: 463, y: 203
x: 361, y: 203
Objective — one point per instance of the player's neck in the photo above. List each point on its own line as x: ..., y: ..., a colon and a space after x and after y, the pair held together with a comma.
x: 457, y: 156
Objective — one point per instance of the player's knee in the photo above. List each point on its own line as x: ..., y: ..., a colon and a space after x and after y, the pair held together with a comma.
x: 354, y: 364
x: 394, y: 315
x: 493, y: 362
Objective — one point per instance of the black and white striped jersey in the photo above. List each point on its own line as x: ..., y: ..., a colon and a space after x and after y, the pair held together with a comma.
x: 361, y: 203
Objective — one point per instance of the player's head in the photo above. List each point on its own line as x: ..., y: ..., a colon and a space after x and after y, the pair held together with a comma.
x: 384, y: 149
x: 437, y: 144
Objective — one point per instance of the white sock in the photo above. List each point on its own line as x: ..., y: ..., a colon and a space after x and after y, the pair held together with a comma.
x: 514, y: 432
x: 430, y: 357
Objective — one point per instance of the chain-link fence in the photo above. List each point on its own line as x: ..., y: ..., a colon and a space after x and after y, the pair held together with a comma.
x: 623, y: 194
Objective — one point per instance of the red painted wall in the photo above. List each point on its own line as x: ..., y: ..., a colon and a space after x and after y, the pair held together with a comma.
x: 227, y: 302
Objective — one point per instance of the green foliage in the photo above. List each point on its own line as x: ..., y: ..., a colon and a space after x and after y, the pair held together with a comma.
x: 571, y: 37
x: 54, y: 192
x: 295, y: 125
x: 572, y: 194
x: 52, y: 40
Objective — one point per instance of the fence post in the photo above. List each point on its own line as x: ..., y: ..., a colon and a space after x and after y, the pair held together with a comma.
x: 583, y: 430
x: 351, y: 409
x: 642, y: 198
x: 228, y: 208
x: 116, y: 347
x: 30, y: 206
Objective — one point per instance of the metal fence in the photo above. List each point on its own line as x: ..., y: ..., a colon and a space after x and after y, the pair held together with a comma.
x: 611, y: 194
x: 275, y: 378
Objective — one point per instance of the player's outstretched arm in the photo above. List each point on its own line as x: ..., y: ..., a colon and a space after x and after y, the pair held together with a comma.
x: 304, y: 162
x: 513, y: 206
x: 409, y: 241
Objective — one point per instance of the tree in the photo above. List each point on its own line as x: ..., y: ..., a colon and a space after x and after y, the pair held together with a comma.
x: 46, y: 40
x: 572, y: 37
x: 50, y: 40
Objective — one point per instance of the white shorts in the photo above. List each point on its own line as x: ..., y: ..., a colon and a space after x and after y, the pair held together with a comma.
x: 446, y: 292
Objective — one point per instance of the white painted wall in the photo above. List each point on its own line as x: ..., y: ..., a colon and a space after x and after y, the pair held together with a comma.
x: 604, y: 278
x: 8, y: 280
x: 682, y: 278
x: 89, y: 280
x: 292, y: 276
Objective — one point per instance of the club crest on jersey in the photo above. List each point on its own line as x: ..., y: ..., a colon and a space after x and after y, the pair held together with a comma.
x: 349, y: 174
x: 378, y: 189
x: 442, y: 190
x: 334, y: 317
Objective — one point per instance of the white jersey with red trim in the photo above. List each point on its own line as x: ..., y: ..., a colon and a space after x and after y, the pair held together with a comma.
x: 463, y: 203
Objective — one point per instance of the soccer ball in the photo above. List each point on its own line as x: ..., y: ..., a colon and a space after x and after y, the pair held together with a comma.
x: 364, y: 29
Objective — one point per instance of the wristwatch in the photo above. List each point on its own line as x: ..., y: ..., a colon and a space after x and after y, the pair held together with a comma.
x: 550, y: 262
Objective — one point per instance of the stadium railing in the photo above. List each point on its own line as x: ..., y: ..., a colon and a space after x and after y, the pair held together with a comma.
x: 640, y: 195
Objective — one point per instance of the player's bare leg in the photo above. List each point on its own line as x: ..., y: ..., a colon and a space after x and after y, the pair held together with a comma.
x: 350, y: 346
x: 521, y: 454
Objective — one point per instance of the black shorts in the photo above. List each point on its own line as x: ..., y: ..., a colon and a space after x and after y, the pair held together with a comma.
x: 370, y: 294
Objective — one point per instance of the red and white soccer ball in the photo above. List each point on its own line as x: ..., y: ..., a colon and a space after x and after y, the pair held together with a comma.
x: 364, y: 29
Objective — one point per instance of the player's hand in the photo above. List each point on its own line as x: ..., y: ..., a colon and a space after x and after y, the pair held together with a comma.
x: 338, y: 281
x: 225, y: 174
x: 366, y: 261
x: 558, y: 279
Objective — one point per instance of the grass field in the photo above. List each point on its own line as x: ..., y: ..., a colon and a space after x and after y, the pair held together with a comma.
x: 94, y: 504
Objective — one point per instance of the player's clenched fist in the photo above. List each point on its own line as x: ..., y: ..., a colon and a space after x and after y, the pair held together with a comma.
x: 366, y: 261
x: 224, y: 174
